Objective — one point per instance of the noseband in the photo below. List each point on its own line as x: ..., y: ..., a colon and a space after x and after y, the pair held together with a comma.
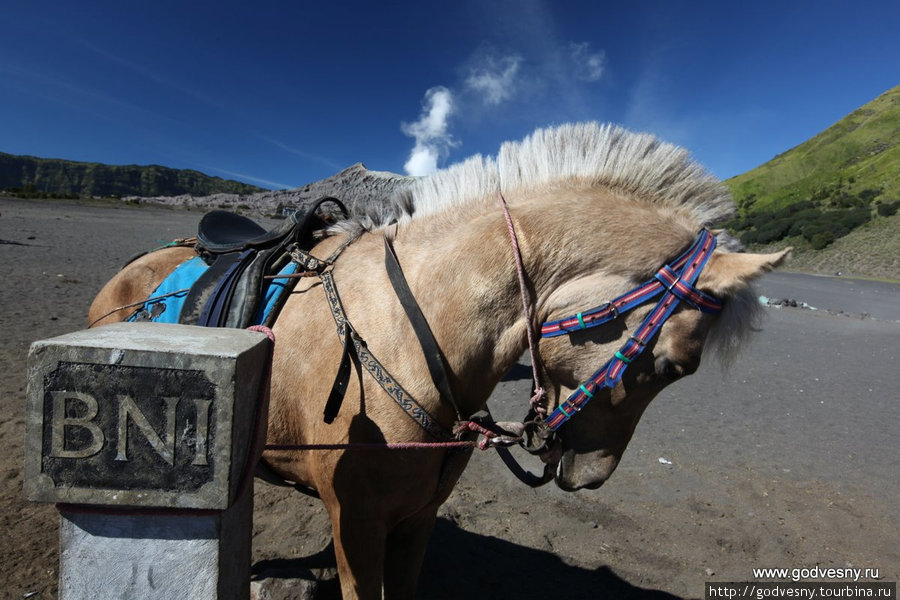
x: 675, y: 282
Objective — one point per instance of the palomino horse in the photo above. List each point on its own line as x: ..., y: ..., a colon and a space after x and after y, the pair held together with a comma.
x: 598, y: 211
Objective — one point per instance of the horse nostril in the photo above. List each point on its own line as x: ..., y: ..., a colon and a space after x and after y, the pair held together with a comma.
x: 667, y: 369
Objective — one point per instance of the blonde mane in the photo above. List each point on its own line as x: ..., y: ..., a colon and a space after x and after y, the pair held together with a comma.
x: 588, y: 155
x: 582, y: 154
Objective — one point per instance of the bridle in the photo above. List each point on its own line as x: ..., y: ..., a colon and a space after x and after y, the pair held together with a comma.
x: 674, y: 281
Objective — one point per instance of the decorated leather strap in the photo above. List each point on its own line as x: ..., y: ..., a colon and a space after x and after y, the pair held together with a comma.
x: 355, y: 346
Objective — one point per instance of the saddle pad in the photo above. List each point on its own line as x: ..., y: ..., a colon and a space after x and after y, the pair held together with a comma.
x: 165, y: 303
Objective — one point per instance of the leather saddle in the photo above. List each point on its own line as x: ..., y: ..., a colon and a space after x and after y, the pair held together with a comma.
x: 241, y: 253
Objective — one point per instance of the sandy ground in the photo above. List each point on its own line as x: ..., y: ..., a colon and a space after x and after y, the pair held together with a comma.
x: 788, y: 459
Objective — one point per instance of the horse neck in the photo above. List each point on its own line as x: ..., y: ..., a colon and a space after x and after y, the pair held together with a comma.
x: 463, y: 276
x: 461, y: 269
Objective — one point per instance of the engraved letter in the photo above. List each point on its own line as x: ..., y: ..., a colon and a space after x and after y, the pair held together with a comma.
x: 166, y: 450
x: 201, y: 439
x: 61, y: 421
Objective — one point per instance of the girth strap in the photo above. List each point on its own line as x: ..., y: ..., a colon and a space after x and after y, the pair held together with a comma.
x: 207, y: 286
x: 215, y: 312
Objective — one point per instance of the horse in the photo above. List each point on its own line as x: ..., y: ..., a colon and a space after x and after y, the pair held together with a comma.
x: 596, y: 211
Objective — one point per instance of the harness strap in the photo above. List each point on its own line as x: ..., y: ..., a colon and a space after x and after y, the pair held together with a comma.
x: 413, y: 409
x: 687, y: 292
x: 526, y: 477
x: 434, y: 358
x: 342, y: 379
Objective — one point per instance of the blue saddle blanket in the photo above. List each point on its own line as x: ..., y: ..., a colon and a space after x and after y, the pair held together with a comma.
x: 165, y: 303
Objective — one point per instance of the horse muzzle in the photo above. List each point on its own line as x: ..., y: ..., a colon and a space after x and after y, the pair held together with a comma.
x: 584, y: 471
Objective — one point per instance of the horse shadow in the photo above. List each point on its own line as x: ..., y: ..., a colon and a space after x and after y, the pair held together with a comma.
x: 460, y: 563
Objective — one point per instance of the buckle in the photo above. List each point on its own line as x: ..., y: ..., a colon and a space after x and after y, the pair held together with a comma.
x: 307, y: 261
x: 638, y: 341
x: 537, y: 437
x: 674, y: 283
x: 613, y: 310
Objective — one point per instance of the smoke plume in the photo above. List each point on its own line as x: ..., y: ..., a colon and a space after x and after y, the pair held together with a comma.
x: 430, y: 132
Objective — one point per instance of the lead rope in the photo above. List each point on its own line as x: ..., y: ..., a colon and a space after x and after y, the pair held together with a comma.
x: 537, y: 400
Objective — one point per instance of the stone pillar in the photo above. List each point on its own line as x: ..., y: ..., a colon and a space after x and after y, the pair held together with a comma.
x: 146, y: 436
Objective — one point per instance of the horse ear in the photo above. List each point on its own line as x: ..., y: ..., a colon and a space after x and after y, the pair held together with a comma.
x: 728, y: 272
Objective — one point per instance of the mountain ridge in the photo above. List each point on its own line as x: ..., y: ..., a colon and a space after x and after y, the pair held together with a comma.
x: 842, y: 184
x: 863, y: 146
x: 32, y: 176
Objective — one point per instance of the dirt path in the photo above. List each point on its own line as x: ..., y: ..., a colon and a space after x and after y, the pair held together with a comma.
x: 787, y: 460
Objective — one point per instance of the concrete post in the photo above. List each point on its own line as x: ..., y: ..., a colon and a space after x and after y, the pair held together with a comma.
x: 144, y: 436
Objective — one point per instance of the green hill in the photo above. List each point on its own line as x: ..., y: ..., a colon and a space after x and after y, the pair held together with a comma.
x: 828, y: 186
x: 50, y: 177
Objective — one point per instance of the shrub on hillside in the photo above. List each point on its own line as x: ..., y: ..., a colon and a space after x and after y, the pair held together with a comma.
x: 820, y: 240
x: 887, y: 209
x: 818, y: 227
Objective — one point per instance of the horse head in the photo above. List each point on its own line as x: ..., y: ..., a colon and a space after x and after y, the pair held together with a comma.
x: 590, y: 445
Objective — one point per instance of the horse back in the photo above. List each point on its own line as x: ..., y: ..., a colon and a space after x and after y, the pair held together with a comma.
x: 134, y: 283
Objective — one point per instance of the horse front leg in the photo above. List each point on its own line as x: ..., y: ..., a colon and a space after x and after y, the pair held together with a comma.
x: 404, y: 554
x: 359, y: 543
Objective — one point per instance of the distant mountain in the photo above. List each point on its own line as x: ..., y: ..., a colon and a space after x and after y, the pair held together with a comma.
x: 362, y: 191
x: 51, y: 177
x: 828, y: 186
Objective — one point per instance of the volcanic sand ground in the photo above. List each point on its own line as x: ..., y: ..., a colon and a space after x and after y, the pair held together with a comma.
x: 788, y: 459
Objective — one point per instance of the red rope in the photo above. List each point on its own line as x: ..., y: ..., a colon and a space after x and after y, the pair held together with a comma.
x: 537, y: 398
x: 489, y: 437
x: 375, y: 446
x: 488, y: 440
x: 263, y: 329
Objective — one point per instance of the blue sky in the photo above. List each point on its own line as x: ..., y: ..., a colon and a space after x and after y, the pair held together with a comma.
x: 283, y: 94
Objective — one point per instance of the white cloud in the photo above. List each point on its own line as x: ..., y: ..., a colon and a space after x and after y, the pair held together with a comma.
x: 496, y: 79
x: 589, y: 66
x: 491, y: 79
x: 430, y: 132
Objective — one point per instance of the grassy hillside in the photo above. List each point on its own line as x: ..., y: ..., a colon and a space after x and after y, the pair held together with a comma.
x: 833, y: 184
x: 42, y: 177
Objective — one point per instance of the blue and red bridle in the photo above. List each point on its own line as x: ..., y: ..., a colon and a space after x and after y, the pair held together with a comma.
x: 675, y: 282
